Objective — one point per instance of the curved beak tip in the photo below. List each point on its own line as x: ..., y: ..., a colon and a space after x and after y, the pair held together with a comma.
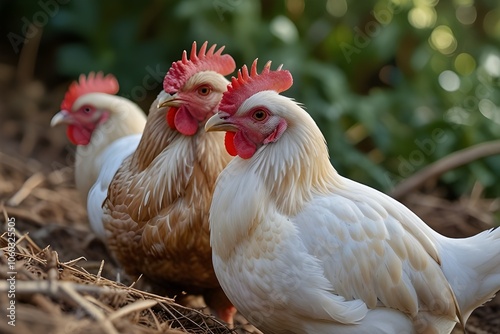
x: 59, y: 118
x: 167, y: 100
x: 216, y: 123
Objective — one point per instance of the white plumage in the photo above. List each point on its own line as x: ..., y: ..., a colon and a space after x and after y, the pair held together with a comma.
x: 106, y: 129
x: 298, y: 248
x: 110, y: 160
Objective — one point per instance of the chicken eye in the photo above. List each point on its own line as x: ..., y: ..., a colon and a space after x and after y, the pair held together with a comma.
x: 86, y: 110
x: 204, y: 90
x: 259, y: 115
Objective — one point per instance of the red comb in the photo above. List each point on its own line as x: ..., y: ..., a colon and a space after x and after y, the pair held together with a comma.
x: 210, y: 60
x: 94, y: 83
x: 246, y: 85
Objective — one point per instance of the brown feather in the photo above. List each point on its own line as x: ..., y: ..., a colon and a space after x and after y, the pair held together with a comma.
x: 156, y: 212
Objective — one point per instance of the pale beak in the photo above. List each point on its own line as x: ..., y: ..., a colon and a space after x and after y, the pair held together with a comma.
x: 167, y: 100
x: 62, y: 117
x: 219, y: 122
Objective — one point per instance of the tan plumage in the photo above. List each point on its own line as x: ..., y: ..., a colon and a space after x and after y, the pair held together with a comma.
x: 156, y: 212
x: 158, y: 207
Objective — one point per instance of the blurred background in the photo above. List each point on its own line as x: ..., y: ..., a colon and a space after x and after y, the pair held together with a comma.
x: 393, y: 84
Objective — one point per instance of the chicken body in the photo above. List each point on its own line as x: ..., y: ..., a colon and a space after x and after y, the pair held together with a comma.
x: 300, y: 249
x: 102, y: 125
x: 156, y: 212
x: 125, y: 119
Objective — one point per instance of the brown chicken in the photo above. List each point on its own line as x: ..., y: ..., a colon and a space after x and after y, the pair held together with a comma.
x: 156, y: 211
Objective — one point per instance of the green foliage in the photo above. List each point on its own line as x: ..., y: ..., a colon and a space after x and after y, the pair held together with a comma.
x: 393, y: 85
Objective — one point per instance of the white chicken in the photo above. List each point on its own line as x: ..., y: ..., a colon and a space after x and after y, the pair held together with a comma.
x: 106, y: 129
x: 298, y: 248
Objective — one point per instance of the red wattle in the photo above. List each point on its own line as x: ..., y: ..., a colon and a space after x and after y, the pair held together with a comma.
x: 185, y: 123
x: 229, y: 143
x: 78, y: 135
x: 245, y: 148
x: 171, y: 117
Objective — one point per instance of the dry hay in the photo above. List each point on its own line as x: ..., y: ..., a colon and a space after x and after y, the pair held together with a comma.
x: 56, y: 295
x: 61, y: 297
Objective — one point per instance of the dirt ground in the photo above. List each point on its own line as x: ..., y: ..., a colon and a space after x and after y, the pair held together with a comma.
x: 66, y: 280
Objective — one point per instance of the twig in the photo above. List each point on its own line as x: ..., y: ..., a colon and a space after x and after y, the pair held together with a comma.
x: 52, y: 288
x: 26, y: 167
x: 444, y: 165
x: 32, y: 182
x: 133, y: 307
x: 169, y: 311
x: 46, y: 305
x: 26, y: 215
x: 155, y: 318
x: 99, y: 273
x: 74, y: 261
x: 90, y: 308
x: 134, y: 283
x: 49, y: 195
x: 30, y: 241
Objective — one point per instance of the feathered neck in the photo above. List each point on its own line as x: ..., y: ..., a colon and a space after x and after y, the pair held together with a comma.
x: 297, y: 166
x: 156, y: 137
x: 167, y: 164
x: 125, y: 118
x: 281, y: 177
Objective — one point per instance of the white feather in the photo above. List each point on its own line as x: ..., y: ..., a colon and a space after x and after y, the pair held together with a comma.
x: 299, y: 249
x: 110, y: 160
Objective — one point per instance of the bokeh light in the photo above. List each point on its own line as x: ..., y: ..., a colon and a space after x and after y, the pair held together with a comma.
x: 449, y: 81
x: 384, y: 11
x: 466, y: 14
x: 422, y: 17
x: 443, y: 40
x: 489, y: 110
x: 491, y: 23
x: 458, y: 115
x: 284, y: 29
x: 492, y: 65
x: 465, y: 64
x: 336, y: 8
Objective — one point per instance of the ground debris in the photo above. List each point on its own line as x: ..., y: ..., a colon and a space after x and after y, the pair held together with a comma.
x: 58, y: 297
